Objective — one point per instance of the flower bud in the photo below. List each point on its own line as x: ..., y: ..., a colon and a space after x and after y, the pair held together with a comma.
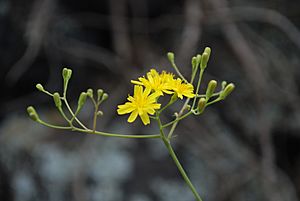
x: 224, y: 83
x: 198, y: 58
x: 205, y: 58
x: 228, y: 89
x: 99, y: 113
x: 201, y: 105
x: 32, y: 113
x: 66, y: 73
x: 81, y: 100
x: 211, y: 88
x: 104, y: 96
x: 176, y: 114
x: 171, y: 57
x: 207, y: 50
x: 30, y: 109
x: 99, y: 94
x: 57, y: 101
x: 90, y: 93
x: 188, y: 107
x: 39, y: 87
x: 194, y: 63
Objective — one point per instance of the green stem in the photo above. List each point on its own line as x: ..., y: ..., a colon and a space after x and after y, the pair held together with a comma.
x: 179, y: 115
x: 198, y: 86
x: 204, y: 96
x: 177, y: 119
x: 53, y: 126
x: 175, y: 159
x: 96, y: 105
x: 64, y: 98
x: 72, y: 113
x: 178, y: 72
x: 181, y: 169
x: 47, y: 92
x: 194, y: 74
x: 64, y: 115
x: 89, y: 131
x: 212, y: 102
x: 172, y: 100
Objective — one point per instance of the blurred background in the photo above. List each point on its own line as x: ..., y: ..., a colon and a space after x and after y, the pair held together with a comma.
x: 246, y: 148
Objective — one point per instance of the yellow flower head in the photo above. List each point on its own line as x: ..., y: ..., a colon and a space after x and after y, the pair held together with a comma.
x: 182, y: 89
x: 156, y: 82
x: 141, y: 103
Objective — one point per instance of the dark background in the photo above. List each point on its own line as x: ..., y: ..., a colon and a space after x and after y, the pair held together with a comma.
x: 243, y: 149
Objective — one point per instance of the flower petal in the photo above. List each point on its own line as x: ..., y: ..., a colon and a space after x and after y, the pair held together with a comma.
x: 132, y: 116
x: 147, y: 91
x: 124, y: 109
x: 136, y: 82
x: 145, y: 118
x: 138, y: 91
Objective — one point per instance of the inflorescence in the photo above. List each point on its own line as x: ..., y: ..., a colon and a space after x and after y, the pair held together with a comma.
x: 145, y: 103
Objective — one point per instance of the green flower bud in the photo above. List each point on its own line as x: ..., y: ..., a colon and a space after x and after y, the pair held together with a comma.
x: 207, y: 50
x: 194, y: 63
x: 99, y: 94
x: 66, y: 73
x: 211, y: 88
x: 32, y: 113
x: 104, y: 96
x: 171, y: 57
x: 57, y: 101
x: 198, y: 59
x: 81, y: 100
x: 176, y: 114
x: 205, y: 58
x: 30, y: 109
x: 228, y: 89
x: 99, y: 113
x: 39, y: 87
x: 201, y: 105
x: 90, y: 93
x: 224, y: 83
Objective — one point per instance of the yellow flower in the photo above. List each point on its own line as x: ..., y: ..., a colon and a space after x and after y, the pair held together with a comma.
x: 156, y: 82
x: 141, y: 103
x: 182, y: 89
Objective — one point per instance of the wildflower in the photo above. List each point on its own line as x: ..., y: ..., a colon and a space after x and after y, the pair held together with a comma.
x: 142, y: 103
x: 182, y: 89
x: 156, y: 82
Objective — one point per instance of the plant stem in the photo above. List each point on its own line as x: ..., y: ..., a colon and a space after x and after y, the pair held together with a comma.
x: 72, y: 113
x: 89, y: 131
x: 172, y: 100
x: 212, y: 102
x: 177, y: 119
x: 53, y: 126
x: 175, y: 159
x: 178, y: 72
x: 198, y: 87
x: 179, y: 115
x: 186, y: 103
x: 95, y: 116
x: 181, y: 169
x: 204, y: 96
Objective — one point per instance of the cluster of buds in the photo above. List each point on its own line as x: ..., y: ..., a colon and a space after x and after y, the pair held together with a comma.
x: 200, y: 62
x: 60, y: 100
